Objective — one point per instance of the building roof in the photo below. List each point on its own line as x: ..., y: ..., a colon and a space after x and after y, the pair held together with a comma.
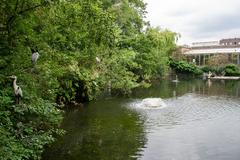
x: 224, y: 46
x: 230, y: 40
x: 212, y: 51
x: 203, y: 44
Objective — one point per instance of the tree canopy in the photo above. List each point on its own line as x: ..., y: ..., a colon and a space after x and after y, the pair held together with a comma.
x: 85, y: 47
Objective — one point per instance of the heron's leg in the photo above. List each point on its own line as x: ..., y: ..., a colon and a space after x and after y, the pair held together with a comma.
x: 16, y: 100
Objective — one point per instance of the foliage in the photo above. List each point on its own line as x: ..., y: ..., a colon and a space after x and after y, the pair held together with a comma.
x: 153, y: 50
x: 185, y: 67
x: 119, y: 73
x: 214, y: 69
x: 228, y: 70
x: 70, y: 36
x: 26, y: 128
x: 231, y: 70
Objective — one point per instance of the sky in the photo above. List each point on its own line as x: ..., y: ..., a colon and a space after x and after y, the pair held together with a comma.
x: 196, y: 20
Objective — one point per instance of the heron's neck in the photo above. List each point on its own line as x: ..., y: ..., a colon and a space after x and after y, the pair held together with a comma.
x: 15, y: 84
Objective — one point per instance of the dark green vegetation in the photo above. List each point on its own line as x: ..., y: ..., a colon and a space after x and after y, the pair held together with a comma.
x: 70, y: 36
x: 185, y: 67
x: 181, y: 66
x: 231, y: 70
x: 227, y: 70
x: 218, y: 70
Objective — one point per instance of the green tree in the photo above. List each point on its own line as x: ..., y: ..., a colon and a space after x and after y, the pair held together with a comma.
x: 153, y: 49
x: 85, y: 47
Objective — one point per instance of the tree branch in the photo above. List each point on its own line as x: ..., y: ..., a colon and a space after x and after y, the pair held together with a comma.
x: 13, y: 17
x: 30, y: 8
x: 16, y: 6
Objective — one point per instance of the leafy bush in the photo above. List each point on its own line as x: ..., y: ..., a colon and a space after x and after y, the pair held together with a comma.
x: 216, y: 70
x: 184, y: 67
x: 231, y: 70
x: 228, y: 70
x: 26, y: 128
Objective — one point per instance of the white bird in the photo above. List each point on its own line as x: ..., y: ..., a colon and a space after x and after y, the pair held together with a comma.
x: 17, y: 89
x: 176, y: 80
x: 35, y: 56
x: 98, y: 59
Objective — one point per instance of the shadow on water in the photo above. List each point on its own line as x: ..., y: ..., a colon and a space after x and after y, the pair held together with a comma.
x: 102, y: 130
x: 196, y: 112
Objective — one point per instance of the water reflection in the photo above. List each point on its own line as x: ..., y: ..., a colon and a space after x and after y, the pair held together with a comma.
x: 200, y: 121
x: 104, y: 130
x: 167, y: 89
x: 209, y: 83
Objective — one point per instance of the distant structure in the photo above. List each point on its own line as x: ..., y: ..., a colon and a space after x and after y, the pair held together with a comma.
x: 200, y: 52
x: 204, y: 44
x: 230, y: 42
x: 184, y: 48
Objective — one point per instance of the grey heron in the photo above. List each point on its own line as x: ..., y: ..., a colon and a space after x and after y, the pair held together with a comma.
x: 35, y: 56
x: 17, y: 89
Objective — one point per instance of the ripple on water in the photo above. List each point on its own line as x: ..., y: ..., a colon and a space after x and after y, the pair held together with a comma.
x: 188, y: 108
x: 193, y: 107
x: 194, y: 127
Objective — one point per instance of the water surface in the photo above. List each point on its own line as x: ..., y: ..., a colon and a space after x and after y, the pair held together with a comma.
x: 199, y: 120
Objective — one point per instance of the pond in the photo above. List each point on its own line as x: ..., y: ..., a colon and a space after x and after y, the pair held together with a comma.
x: 195, y: 119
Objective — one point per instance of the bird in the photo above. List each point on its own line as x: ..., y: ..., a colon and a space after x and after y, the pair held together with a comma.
x: 209, y: 74
x: 98, y: 60
x: 176, y: 80
x: 17, y: 90
x: 35, y: 56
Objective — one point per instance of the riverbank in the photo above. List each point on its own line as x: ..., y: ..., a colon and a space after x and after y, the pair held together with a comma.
x: 225, y: 78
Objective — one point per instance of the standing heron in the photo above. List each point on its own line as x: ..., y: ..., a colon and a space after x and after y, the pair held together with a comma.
x: 17, y: 89
x: 35, y: 56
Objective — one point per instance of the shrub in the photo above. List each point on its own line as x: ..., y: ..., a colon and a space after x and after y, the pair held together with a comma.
x: 184, y: 67
x: 231, y: 70
x: 216, y: 70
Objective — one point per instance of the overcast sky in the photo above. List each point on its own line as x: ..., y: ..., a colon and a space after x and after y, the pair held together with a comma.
x: 196, y: 20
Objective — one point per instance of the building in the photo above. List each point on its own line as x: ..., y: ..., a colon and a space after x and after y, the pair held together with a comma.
x: 200, y: 52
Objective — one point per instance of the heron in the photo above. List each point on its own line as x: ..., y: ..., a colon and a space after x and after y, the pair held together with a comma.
x: 35, y: 56
x: 98, y: 60
x: 17, y: 89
